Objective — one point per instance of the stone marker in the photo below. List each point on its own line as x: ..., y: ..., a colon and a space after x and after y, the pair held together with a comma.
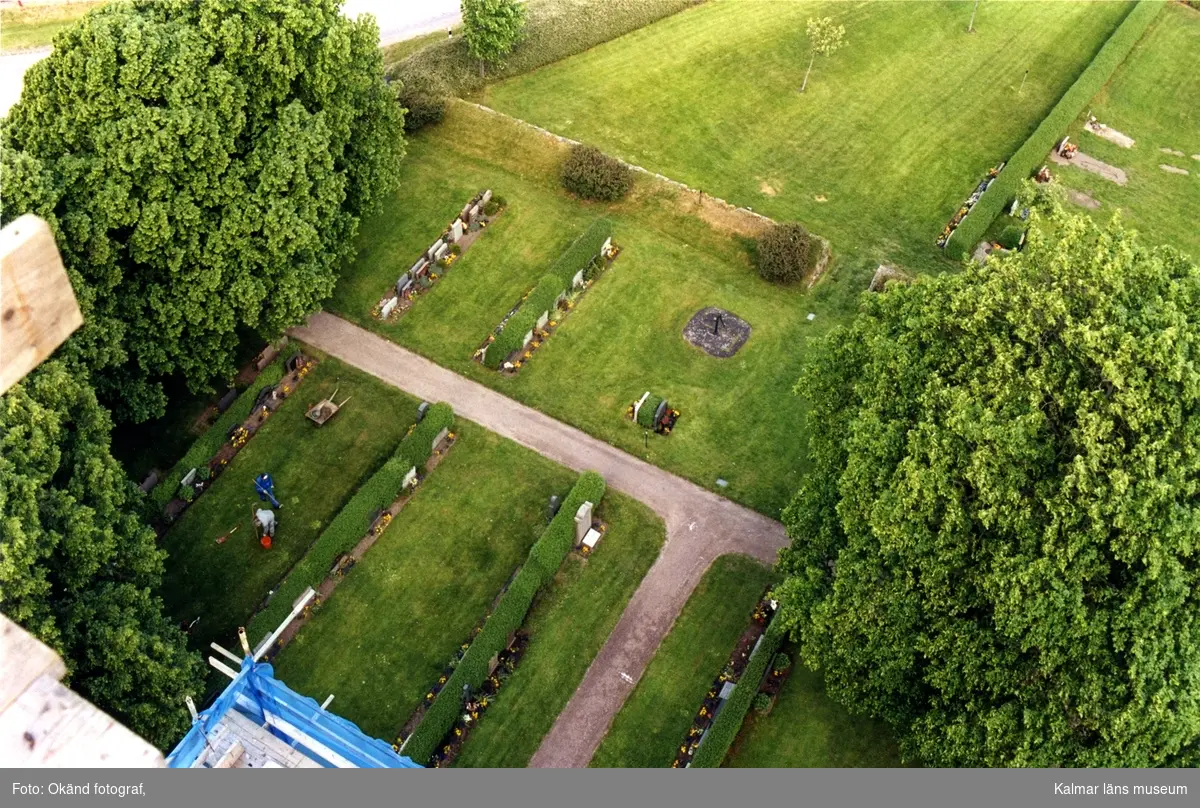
x: 422, y: 410
x: 591, y: 538
x: 528, y: 338
x: 421, y: 270
x: 811, y: 316
x: 726, y: 690
x: 545, y: 318
x: 406, y: 288
x: 553, y: 507
x: 583, y: 522
x: 266, y: 357
x: 487, y: 197
x: 607, y: 243
x: 722, y: 483
x: 465, y: 213
x: 474, y: 213
x: 577, y: 281
x: 389, y: 307
x: 410, y: 479
x: 456, y: 230
x: 440, y: 437
x: 660, y: 412
x: 431, y: 253
x: 189, y: 478
x: 227, y: 400
x: 417, y: 267
x: 149, y: 483
x: 441, y: 251
x: 493, y: 663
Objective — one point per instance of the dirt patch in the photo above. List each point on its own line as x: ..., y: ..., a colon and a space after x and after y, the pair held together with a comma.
x: 1082, y: 200
x: 821, y: 198
x: 1173, y: 169
x: 884, y: 274
x: 1089, y: 163
x: 1109, y: 134
x: 765, y: 187
x: 717, y: 332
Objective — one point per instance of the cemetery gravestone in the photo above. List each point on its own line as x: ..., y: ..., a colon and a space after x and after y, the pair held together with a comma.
x: 465, y: 213
x: 545, y: 318
x: 389, y: 307
x: 189, y: 478
x: 487, y: 197
x: 440, y: 437
x: 528, y: 338
x: 606, y: 245
x: 422, y: 409
x: 577, y: 281
x: 227, y: 400
x: 431, y: 253
x: 474, y: 213
x: 410, y: 479
x: 583, y: 522
x: 456, y: 230
x: 441, y: 251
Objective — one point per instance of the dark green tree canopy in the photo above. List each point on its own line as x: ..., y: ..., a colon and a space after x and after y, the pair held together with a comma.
x: 206, y: 165
x: 78, y: 566
x: 996, y: 546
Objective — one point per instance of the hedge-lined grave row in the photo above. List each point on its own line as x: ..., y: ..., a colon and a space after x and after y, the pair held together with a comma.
x: 534, y: 318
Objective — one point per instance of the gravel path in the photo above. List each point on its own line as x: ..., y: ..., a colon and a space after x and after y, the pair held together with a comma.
x: 700, y: 524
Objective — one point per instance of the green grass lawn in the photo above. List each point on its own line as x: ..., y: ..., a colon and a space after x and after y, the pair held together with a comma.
x: 1155, y: 99
x: 657, y: 715
x: 740, y: 421
x: 894, y: 130
x: 385, y: 634
x: 568, y: 625
x: 808, y: 729
x: 315, y: 470
x: 35, y: 26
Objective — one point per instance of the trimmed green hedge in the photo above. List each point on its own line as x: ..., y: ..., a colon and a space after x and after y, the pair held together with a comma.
x: 352, y: 520
x: 1033, y: 151
x: 542, y: 298
x: 554, y: 29
x: 472, y: 669
x: 645, y: 416
x: 725, y: 729
x: 581, y: 252
x: 214, y: 438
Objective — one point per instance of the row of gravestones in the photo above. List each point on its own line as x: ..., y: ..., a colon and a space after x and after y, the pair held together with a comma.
x: 472, y: 214
x: 576, y: 282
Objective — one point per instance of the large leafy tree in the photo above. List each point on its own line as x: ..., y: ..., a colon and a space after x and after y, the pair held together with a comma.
x: 996, y: 547
x: 205, y: 165
x: 78, y: 567
x: 492, y: 28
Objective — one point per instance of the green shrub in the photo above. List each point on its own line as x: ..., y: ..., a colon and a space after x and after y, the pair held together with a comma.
x: 509, y: 615
x: 781, y: 662
x: 786, y: 253
x: 554, y: 29
x: 187, y: 493
x: 424, y: 99
x: 646, y: 412
x: 213, y: 439
x: 352, y: 521
x: 542, y: 298
x: 1010, y: 237
x: 495, y: 205
x: 725, y: 729
x: 1033, y: 151
x: 591, y: 174
x: 762, y: 703
x: 581, y: 252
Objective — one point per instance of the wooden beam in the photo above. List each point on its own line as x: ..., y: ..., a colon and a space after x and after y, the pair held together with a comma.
x: 222, y: 667
x: 227, y: 654
x: 25, y: 659
x: 38, y: 310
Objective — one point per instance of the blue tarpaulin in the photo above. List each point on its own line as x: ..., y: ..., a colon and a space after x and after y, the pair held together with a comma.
x: 299, y: 721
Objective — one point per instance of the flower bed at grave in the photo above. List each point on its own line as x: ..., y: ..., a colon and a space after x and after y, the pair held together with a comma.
x: 234, y: 428
x: 421, y: 277
x: 556, y: 295
x: 738, y: 670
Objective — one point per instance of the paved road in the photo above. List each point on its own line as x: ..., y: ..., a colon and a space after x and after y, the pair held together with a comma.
x: 700, y: 524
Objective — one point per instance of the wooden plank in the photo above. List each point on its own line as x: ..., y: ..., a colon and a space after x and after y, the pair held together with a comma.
x: 25, y: 659
x: 38, y: 310
x: 50, y: 726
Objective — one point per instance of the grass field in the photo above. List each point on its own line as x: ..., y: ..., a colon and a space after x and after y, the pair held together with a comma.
x: 35, y: 26
x: 1155, y: 99
x: 808, y: 729
x: 315, y: 472
x: 385, y: 634
x: 740, y: 421
x: 568, y: 625
x: 894, y: 130
x: 657, y: 715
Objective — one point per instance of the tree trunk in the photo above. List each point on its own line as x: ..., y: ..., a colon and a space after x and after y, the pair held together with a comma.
x: 806, y: 72
x: 971, y: 24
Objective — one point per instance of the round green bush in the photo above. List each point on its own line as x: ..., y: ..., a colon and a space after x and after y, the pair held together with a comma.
x: 786, y: 253
x: 495, y: 205
x: 424, y: 98
x: 646, y: 413
x: 761, y: 703
x: 781, y: 662
x: 591, y: 174
x: 1010, y: 237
